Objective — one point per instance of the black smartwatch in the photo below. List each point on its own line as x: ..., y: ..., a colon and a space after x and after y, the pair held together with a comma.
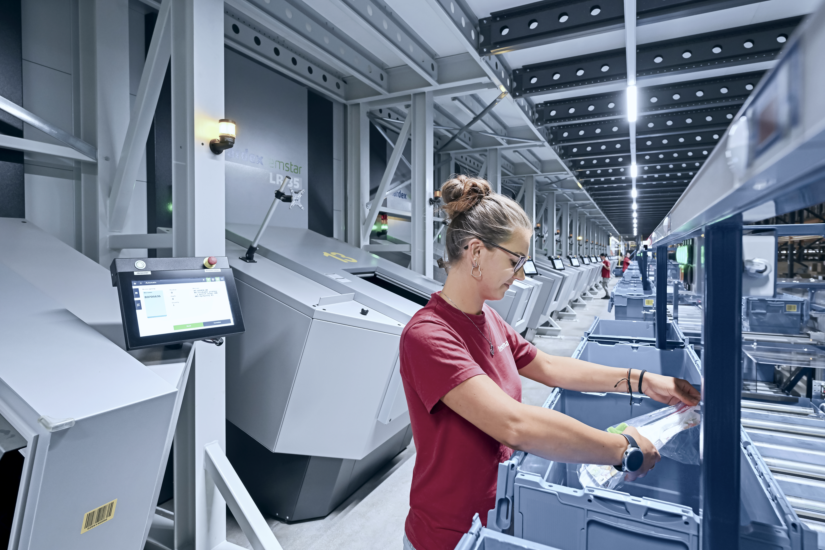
x: 633, y: 457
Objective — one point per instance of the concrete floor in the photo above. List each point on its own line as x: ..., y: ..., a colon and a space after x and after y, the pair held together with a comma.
x: 373, y: 517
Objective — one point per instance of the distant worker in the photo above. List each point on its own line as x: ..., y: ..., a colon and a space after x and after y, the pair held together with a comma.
x: 605, y: 275
x: 460, y: 364
x: 625, y: 261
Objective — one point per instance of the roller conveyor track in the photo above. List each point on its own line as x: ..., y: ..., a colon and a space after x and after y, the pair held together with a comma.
x: 793, y: 455
x: 793, y: 468
x: 776, y: 408
x: 781, y: 427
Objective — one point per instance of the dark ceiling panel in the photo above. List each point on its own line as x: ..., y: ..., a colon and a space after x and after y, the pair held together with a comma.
x: 569, y: 73
x: 738, y: 46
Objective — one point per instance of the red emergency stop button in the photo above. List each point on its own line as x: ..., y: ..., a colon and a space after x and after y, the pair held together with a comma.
x: 210, y: 262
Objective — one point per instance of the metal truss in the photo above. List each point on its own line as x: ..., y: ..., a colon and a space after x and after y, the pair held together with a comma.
x: 313, y: 35
x: 377, y: 19
x: 250, y: 38
x: 553, y: 20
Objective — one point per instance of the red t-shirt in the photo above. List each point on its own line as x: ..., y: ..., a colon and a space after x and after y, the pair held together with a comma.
x: 456, y: 464
x: 625, y: 263
x: 606, y: 269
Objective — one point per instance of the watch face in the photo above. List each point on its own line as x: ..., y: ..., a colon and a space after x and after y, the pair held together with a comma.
x: 634, y: 459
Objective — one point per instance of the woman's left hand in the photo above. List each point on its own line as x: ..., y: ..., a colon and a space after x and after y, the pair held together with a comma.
x: 668, y: 390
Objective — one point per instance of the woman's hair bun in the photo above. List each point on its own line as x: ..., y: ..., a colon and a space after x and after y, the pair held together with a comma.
x: 461, y: 193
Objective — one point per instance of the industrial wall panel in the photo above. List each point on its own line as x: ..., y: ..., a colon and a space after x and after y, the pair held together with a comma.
x: 48, y: 93
x: 270, y: 111
x: 50, y: 201
x: 320, y: 157
x: 12, y: 197
x: 48, y: 33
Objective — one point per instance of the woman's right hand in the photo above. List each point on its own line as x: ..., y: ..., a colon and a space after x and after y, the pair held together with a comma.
x: 650, y: 452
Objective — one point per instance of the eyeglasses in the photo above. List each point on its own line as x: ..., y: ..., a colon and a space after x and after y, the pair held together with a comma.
x: 519, y: 263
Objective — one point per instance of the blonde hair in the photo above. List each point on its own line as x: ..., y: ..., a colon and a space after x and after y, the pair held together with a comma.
x: 476, y: 212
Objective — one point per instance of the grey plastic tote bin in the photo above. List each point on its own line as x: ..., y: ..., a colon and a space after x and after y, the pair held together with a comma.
x: 678, y: 362
x: 542, y: 501
x: 633, y: 306
x: 608, y: 331
x: 480, y: 538
x: 785, y: 314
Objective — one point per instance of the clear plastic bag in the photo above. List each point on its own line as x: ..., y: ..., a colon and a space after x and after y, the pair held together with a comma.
x: 674, y: 431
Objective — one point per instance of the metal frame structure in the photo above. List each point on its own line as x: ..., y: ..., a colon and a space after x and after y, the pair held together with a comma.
x: 737, y: 185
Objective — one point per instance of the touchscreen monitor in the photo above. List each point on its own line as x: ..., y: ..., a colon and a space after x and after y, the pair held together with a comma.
x: 574, y: 261
x: 530, y: 268
x: 557, y: 263
x: 586, y: 260
x: 168, y: 307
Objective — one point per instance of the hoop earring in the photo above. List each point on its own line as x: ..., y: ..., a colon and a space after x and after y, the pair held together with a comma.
x: 472, y: 272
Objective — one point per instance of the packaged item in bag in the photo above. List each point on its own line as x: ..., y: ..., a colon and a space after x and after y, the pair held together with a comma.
x: 674, y: 431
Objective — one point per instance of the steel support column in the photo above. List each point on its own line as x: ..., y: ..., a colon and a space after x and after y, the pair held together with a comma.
x: 198, y: 190
x: 550, y: 216
x: 722, y: 387
x: 494, y: 169
x: 421, y: 112
x: 564, y: 231
x: 134, y: 146
x: 661, y: 297
x: 358, y: 171
x: 104, y: 113
x: 530, y: 209
x: 339, y: 186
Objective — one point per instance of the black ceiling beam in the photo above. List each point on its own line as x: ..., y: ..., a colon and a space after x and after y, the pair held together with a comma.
x: 556, y: 20
x: 736, y: 46
x: 731, y: 47
x: 625, y: 187
x: 572, y: 72
x: 696, y: 94
x: 614, y: 148
x: 592, y: 131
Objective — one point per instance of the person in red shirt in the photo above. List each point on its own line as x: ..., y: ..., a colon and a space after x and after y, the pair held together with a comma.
x: 625, y: 261
x: 460, y: 365
x: 605, y: 275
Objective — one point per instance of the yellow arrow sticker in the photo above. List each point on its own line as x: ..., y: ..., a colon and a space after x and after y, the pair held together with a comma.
x: 340, y: 257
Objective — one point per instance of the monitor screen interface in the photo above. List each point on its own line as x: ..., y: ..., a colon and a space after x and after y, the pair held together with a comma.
x: 558, y: 264
x: 175, y: 306
x: 574, y: 261
x: 530, y: 268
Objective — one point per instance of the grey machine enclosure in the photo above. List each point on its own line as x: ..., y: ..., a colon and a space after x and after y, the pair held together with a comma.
x: 315, y: 404
x: 88, y: 423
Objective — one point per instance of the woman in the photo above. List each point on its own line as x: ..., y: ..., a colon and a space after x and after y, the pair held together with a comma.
x: 625, y: 261
x: 460, y: 363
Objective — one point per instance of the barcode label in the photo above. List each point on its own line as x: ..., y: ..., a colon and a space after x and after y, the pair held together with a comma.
x: 98, y: 516
x: 648, y: 302
x: 790, y: 307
